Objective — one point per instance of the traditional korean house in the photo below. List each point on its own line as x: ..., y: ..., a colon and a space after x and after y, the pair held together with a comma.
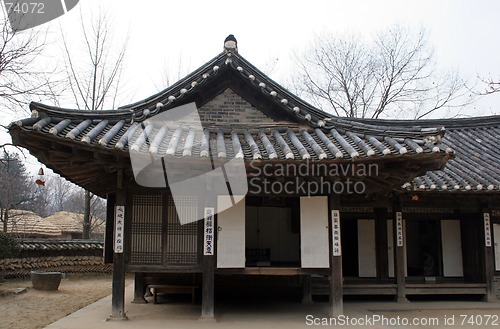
x: 451, y: 226
x: 334, y: 205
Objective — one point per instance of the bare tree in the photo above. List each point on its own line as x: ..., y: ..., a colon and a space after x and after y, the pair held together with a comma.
x: 94, y: 78
x: 394, y: 75
x: 57, y: 195
x: 97, y: 214
x: 492, y: 86
x: 94, y: 81
x: 170, y: 74
x: 25, y: 74
x: 17, y: 189
x: 76, y: 202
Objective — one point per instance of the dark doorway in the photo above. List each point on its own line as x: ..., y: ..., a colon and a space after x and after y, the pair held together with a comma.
x: 423, y: 248
x: 272, y: 234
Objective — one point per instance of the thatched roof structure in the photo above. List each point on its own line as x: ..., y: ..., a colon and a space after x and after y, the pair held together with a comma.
x: 25, y: 223
x: 66, y: 221
x: 70, y: 222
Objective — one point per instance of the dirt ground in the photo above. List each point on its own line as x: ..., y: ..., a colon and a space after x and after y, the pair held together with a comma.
x: 37, y: 309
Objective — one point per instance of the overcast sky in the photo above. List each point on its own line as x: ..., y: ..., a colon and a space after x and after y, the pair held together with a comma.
x: 464, y: 33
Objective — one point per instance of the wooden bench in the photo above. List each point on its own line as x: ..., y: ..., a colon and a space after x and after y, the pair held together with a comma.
x: 171, y: 289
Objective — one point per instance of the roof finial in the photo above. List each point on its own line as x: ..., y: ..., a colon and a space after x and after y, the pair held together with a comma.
x: 230, y: 44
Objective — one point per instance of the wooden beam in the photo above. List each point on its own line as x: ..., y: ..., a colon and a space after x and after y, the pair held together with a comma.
x: 336, y: 301
x: 207, y: 302
x: 450, y: 199
x: 81, y: 153
x: 208, y: 276
x: 110, y: 224
x: 118, y: 288
x: 273, y: 271
x: 489, y: 261
x: 306, y: 290
x: 382, y: 245
x: 164, y: 269
x: 103, y: 157
x: 139, y: 289
x: 399, y: 257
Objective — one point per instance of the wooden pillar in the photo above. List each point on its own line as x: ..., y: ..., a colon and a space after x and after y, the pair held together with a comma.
x: 118, y: 288
x: 489, y: 261
x: 207, y: 302
x: 139, y: 289
x: 382, y: 245
x: 110, y: 229
x: 336, y: 279
x: 399, y: 250
x: 306, y: 289
x: 208, y: 263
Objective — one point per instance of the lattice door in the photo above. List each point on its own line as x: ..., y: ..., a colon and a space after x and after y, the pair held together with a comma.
x: 182, y: 240
x: 146, y: 229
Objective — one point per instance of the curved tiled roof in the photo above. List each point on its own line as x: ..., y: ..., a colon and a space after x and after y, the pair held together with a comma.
x: 476, y: 165
x: 296, y: 107
x: 321, y: 135
x: 251, y: 143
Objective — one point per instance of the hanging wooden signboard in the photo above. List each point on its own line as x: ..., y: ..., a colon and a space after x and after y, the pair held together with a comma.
x: 208, y: 248
x: 399, y: 229
x: 487, y: 229
x: 119, y: 228
x: 337, y: 247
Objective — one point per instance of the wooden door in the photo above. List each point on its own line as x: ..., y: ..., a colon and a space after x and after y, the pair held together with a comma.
x: 230, y: 233
x: 314, y: 246
x: 367, y: 250
x: 451, y: 242
x: 496, y: 240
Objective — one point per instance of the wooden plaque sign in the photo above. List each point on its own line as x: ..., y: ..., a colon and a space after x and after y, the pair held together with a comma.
x: 119, y: 228
x: 208, y: 248
x: 399, y: 229
x: 337, y: 247
x: 487, y: 229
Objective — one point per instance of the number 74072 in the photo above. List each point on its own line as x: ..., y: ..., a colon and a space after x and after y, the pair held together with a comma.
x: 25, y: 7
x: 479, y: 320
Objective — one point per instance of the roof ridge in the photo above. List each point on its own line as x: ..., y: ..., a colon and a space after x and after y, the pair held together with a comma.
x: 454, y: 123
x: 290, y: 103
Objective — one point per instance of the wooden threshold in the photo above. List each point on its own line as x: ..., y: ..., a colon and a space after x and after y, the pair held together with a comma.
x: 360, y: 289
x: 410, y: 289
x: 164, y: 269
x: 446, y: 289
x: 285, y: 271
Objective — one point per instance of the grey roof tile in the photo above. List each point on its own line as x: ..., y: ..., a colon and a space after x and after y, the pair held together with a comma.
x: 281, y: 142
x: 476, y: 165
x: 47, y: 244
